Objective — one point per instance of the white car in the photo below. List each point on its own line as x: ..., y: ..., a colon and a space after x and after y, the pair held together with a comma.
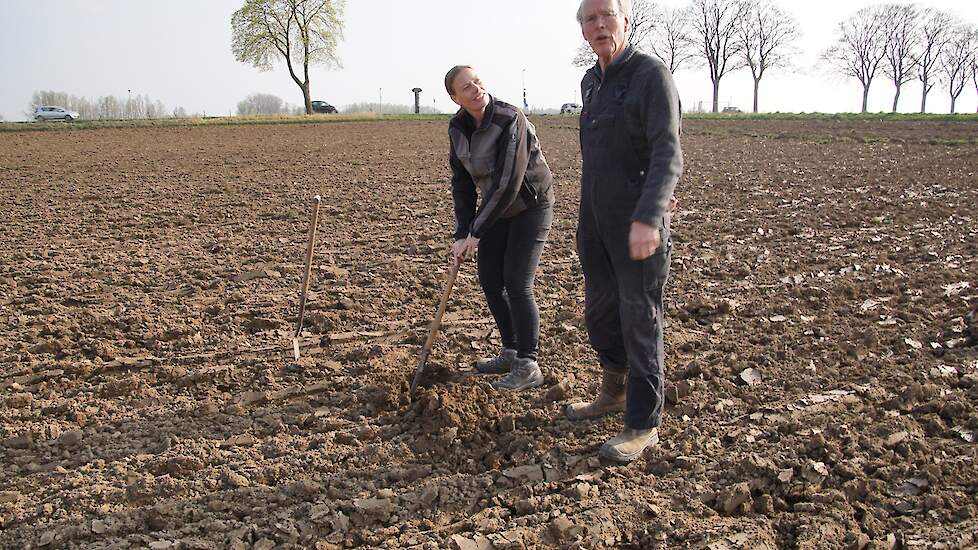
x: 570, y: 108
x: 48, y: 112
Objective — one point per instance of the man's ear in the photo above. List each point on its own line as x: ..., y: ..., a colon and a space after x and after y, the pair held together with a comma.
x: 628, y: 26
x: 455, y: 100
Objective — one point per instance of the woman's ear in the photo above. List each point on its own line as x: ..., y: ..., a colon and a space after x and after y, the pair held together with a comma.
x: 455, y: 100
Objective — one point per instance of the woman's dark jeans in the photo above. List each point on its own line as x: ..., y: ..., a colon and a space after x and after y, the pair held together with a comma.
x: 509, y: 253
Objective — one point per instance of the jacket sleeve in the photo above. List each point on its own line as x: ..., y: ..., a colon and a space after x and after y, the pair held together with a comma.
x: 661, y: 117
x: 463, y: 194
x: 512, y: 158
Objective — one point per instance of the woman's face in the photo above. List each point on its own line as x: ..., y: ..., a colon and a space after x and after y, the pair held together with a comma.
x: 470, y: 94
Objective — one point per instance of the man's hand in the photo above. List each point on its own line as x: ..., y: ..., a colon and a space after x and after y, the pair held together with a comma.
x: 643, y: 240
x: 464, y: 249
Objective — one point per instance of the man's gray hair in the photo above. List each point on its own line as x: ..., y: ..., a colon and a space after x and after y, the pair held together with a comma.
x: 624, y: 6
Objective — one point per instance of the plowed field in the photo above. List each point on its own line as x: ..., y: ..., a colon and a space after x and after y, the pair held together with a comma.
x: 822, y: 347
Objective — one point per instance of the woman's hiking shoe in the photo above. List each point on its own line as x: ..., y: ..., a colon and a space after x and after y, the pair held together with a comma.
x: 525, y: 374
x: 499, y: 364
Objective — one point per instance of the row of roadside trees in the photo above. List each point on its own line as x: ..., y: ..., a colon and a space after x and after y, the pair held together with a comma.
x: 105, y: 107
x: 266, y: 104
x: 903, y: 42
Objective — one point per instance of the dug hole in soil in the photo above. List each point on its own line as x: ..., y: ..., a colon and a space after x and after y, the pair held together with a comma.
x: 822, y: 368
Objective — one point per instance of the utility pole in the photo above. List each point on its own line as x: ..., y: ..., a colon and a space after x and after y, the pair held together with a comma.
x: 381, y: 101
x: 526, y: 106
x: 129, y: 105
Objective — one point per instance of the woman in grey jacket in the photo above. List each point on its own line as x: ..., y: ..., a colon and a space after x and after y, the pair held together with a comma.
x: 495, y: 154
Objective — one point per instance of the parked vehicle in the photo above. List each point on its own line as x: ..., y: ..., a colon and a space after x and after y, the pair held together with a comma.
x: 50, y: 112
x: 731, y: 109
x: 322, y: 107
x: 570, y: 108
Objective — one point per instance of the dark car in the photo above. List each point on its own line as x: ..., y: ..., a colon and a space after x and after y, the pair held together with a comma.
x: 322, y: 107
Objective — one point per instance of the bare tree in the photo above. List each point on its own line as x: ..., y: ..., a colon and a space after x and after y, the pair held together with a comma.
x: 672, y: 38
x: 155, y: 109
x: 957, y: 60
x: 859, y: 48
x: 85, y: 108
x: 934, y: 35
x: 109, y: 107
x: 300, y: 32
x: 262, y: 104
x: 974, y: 70
x: 138, y: 107
x: 640, y: 26
x: 768, y: 35
x: 902, y: 39
x: 715, y: 24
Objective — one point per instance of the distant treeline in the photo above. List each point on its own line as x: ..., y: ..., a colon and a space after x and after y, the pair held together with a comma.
x: 386, y: 108
x: 267, y: 104
x: 106, y: 107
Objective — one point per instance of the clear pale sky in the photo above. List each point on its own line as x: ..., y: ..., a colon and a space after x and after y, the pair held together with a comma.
x: 179, y: 52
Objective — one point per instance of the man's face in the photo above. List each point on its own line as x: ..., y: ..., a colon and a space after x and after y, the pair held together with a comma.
x: 604, y: 27
x: 470, y: 93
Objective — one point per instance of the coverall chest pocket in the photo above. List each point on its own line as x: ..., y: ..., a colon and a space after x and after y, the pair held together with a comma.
x: 597, y: 121
x: 603, y: 116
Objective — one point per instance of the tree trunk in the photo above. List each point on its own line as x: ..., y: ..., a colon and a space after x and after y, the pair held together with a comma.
x: 306, y: 98
x: 716, y: 96
x: 865, y: 97
x: 757, y: 84
x: 896, y: 98
x: 953, y: 99
x: 923, y: 98
x: 303, y: 85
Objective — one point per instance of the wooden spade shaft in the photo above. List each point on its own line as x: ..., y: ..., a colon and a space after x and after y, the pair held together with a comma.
x: 306, y: 274
x: 435, y: 323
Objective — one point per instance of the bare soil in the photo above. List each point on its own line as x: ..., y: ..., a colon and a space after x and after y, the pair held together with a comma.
x: 822, y: 347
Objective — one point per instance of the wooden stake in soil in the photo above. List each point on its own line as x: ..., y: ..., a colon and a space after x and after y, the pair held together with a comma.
x: 305, y: 276
x: 435, y: 323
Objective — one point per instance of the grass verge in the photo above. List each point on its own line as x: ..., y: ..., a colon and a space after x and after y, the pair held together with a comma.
x: 374, y: 117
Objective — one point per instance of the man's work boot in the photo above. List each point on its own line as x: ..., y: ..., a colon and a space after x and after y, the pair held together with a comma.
x: 499, y: 364
x: 525, y: 375
x: 629, y: 444
x: 611, y: 398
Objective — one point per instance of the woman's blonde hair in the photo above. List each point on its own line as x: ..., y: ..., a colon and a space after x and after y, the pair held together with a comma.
x: 450, y: 77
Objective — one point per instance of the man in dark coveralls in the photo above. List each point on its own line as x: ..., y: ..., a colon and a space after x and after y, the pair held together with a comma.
x: 632, y: 160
